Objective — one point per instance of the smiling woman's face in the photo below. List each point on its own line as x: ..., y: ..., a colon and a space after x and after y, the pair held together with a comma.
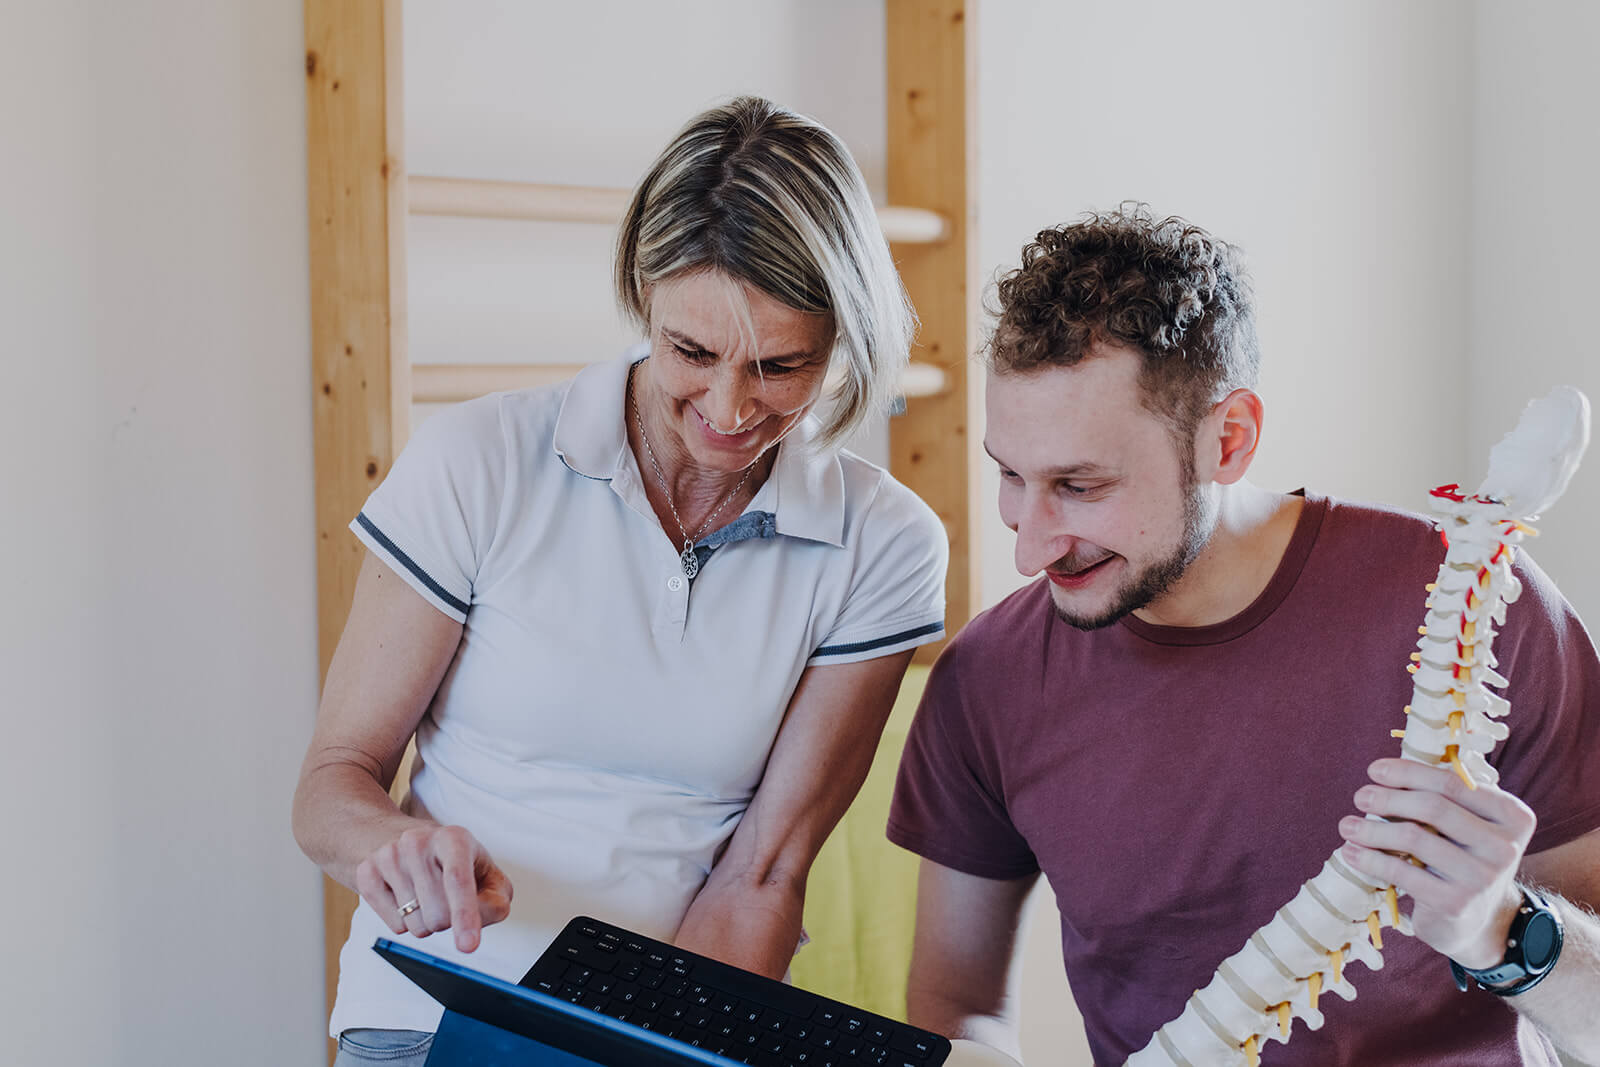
x: 730, y: 370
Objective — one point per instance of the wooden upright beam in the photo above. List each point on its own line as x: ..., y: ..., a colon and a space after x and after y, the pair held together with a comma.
x: 934, y: 447
x: 361, y: 389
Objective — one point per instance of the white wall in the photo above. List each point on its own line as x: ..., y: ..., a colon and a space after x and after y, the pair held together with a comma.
x: 1536, y: 278
x: 159, y: 649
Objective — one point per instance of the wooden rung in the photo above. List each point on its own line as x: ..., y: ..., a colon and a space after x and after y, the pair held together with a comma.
x: 582, y: 203
x: 923, y: 379
x: 451, y: 383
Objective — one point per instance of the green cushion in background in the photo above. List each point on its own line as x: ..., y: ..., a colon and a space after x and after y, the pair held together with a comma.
x: 861, y: 896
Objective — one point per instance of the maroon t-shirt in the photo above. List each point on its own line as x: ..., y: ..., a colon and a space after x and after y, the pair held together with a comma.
x: 1177, y: 785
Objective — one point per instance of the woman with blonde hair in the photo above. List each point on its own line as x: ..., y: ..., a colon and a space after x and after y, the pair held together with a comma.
x: 645, y: 626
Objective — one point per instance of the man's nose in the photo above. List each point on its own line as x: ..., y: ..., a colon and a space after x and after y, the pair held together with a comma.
x: 1041, y: 536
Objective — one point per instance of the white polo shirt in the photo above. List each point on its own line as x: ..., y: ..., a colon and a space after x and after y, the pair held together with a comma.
x: 605, y: 721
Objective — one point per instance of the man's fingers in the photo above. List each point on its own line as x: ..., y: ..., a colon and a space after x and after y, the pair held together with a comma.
x: 1417, y: 883
x: 1445, y: 857
x: 1487, y: 802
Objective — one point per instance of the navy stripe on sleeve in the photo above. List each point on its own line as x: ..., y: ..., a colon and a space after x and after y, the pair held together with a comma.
x: 881, y: 642
x: 410, y: 564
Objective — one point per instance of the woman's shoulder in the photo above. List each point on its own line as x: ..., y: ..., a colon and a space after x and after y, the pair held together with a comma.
x: 878, y: 497
x: 493, y: 423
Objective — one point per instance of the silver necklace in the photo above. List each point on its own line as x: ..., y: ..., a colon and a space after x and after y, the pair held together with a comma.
x: 691, y: 565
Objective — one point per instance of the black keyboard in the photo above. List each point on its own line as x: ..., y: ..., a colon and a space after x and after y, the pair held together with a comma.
x: 703, y: 1002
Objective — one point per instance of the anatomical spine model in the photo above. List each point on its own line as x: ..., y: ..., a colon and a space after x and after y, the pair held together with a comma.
x: 1453, y: 719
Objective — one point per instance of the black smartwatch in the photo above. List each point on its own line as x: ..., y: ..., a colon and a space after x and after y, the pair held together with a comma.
x: 1532, y: 947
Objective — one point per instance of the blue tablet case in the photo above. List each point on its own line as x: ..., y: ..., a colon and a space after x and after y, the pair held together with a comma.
x: 489, y: 1022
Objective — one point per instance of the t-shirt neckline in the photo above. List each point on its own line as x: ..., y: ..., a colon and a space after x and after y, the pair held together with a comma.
x: 1288, y: 572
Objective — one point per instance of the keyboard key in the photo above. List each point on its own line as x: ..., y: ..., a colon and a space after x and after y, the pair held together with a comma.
x: 827, y: 1016
x: 585, y: 954
x: 853, y: 1024
x: 589, y: 930
x: 903, y: 1040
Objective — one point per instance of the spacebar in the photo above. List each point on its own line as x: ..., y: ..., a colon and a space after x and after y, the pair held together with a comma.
x: 747, y: 986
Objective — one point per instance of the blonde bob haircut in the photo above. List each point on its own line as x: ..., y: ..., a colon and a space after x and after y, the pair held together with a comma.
x: 773, y: 199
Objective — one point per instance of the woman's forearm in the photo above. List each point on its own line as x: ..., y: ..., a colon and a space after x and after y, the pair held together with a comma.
x: 342, y: 815
x: 745, y: 922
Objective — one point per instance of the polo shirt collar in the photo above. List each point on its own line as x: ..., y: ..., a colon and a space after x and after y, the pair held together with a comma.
x: 805, y: 492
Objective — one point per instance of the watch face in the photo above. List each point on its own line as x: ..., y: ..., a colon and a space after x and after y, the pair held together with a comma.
x: 1539, y: 940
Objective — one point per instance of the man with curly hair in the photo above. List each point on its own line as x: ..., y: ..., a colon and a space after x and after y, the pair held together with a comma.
x: 1171, y: 724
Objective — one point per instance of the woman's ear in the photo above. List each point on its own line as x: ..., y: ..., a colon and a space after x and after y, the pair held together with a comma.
x: 1229, y: 435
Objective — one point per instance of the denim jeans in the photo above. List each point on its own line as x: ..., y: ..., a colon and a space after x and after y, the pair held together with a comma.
x: 397, y: 1048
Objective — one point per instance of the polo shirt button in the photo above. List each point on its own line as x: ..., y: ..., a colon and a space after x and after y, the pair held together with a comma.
x: 675, y: 583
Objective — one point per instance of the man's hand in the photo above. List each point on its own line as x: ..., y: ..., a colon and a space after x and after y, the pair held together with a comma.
x: 1471, y: 841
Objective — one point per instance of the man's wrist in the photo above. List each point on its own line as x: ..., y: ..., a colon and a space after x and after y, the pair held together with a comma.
x: 1490, y: 949
x: 1533, y: 944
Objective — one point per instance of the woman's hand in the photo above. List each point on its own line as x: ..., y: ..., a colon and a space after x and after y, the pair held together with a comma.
x: 434, y: 878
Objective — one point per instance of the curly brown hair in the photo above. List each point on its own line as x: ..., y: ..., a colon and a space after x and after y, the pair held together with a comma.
x: 1166, y: 289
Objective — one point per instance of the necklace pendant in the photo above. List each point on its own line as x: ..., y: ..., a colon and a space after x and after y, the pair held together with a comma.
x: 691, y: 564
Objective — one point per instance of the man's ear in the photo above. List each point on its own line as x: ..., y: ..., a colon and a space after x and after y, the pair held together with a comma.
x: 1227, y: 437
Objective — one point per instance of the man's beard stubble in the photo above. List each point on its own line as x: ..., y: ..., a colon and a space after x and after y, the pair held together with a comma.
x: 1143, y: 588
